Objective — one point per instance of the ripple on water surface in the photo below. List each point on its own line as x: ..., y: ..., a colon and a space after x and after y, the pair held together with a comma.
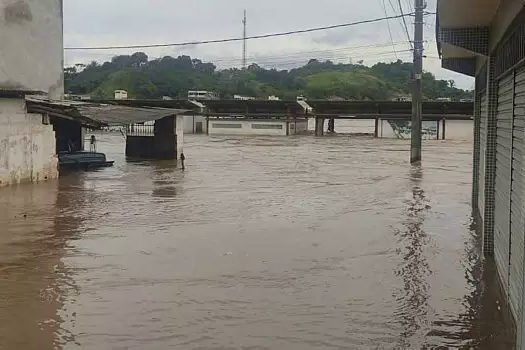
x: 270, y: 243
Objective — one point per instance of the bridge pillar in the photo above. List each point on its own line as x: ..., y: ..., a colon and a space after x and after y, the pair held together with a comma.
x: 376, y: 128
x: 319, y: 126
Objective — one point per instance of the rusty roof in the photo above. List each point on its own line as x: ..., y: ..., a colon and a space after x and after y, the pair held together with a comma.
x: 97, y: 115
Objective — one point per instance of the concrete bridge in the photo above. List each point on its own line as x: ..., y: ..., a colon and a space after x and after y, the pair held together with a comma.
x: 384, y: 113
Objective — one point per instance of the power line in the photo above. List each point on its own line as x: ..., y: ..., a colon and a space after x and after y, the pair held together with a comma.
x: 263, y: 36
x: 304, y: 58
x: 294, y: 61
x: 399, y: 20
x: 389, y: 30
x: 328, y: 54
x: 404, y: 22
x: 302, y: 53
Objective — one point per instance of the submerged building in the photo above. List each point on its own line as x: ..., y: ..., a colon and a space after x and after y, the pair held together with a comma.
x: 31, y: 63
x: 254, y: 126
x: 36, y: 123
x: 485, y: 39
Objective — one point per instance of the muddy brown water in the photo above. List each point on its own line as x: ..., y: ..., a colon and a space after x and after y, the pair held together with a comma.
x: 262, y: 243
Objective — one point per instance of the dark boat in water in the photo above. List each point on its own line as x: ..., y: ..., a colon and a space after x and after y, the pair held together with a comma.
x: 83, y: 160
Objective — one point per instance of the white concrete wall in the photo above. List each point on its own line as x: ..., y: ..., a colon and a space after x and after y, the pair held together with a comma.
x: 454, y: 130
x: 302, y: 126
x: 27, y: 147
x: 246, y: 127
x: 386, y: 130
x: 355, y: 126
x: 459, y: 130
x: 31, y: 41
x: 298, y: 127
x: 191, y: 121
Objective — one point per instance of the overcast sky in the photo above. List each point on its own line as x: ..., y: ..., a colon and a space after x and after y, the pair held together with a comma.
x: 129, y: 22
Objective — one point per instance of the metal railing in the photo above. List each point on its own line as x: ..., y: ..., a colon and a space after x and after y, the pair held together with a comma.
x: 140, y: 130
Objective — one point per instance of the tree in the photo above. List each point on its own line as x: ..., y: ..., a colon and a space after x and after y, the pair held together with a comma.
x: 174, y: 76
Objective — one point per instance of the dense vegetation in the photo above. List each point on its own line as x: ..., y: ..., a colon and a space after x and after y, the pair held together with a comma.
x: 169, y: 76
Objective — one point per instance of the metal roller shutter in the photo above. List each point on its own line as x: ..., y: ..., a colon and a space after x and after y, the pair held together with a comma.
x: 482, y: 148
x: 517, y: 208
x: 503, y: 177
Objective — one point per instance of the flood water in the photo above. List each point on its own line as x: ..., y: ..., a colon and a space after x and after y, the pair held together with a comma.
x: 262, y: 243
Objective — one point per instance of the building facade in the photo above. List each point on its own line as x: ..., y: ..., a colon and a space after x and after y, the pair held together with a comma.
x: 485, y: 39
x: 247, y: 126
x: 31, y: 63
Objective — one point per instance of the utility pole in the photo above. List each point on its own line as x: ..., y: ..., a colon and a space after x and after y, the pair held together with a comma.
x: 417, y: 91
x: 244, y: 48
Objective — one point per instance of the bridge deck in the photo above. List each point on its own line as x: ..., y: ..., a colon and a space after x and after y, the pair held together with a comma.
x: 319, y: 108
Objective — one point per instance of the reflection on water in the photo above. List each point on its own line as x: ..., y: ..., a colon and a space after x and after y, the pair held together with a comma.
x: 414, y: 269
x: 264, y: 243
x: 33, y: 280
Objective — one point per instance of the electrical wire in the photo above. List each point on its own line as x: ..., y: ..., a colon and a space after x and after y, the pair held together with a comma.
x: 301, y: 61
x: 303, y: 53
x: 389, y: 29
x: 263, y: 36
x: 405, y: 23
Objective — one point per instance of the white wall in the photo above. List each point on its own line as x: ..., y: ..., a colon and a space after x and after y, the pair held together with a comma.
x: 386, y: 130
x: 354, y: 126
x: 179, y: 131
x: 31, y: 41
x: 459, y: 130
x: 298, y: 127
x: 191, y: 121
x: 27, y: 147
x: 246, y: 127
x: 454, y: 130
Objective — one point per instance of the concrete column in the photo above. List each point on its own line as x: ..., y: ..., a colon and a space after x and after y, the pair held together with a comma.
x: 83, y: 133
x: 331, y: 125
x: 490, y: 158
x: 376, y: 128
x: 179, y: 135
x: 319, y: 126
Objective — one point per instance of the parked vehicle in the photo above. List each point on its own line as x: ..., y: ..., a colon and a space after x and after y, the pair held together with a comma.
x: 83, y: 160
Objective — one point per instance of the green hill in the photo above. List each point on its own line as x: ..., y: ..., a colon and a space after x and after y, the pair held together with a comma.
x: 169, y: 76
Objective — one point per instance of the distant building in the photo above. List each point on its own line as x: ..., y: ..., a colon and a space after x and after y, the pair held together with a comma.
x: 301, y: 98
x: 167, y: 98
x: 121, y: 95
x: 405, y: 98
x: 243, y: 98
x: 443, y: 99
x: 74, y: 97
x: 273, y: 98
x: 201, y: 95
x: 251, y: 126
